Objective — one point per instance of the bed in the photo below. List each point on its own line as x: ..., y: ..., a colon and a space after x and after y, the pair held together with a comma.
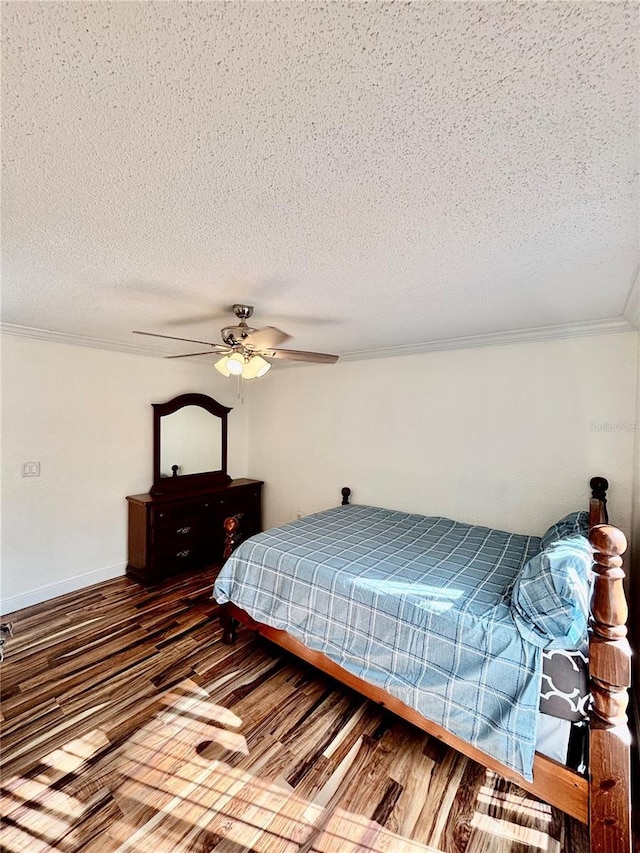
x: 432, y: 619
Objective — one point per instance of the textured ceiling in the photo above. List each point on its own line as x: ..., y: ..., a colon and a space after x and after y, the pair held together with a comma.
x: 398, y: 173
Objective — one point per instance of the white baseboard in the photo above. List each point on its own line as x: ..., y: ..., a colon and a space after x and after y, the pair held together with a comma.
x: 44, y: 593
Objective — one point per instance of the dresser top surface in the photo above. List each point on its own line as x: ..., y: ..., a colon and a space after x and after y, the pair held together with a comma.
x: 173, y: 498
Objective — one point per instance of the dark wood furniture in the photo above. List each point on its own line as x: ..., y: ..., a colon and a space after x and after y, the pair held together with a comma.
x: 603, y: 800
x: 178, y: 525
x: 204, y: 478
x: 171, y: 533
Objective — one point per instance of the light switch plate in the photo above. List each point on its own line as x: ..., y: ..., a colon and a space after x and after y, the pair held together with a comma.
x: 30, y: 469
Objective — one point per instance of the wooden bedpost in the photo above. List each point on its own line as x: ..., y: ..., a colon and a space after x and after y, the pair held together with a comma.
x: 598, y: 504
x: 345, y: 496
x: 610, y: 676
x: 231, y: 537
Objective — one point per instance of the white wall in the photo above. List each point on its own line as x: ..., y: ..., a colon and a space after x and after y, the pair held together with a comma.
x: 481, y: 435
x: 85, y: 415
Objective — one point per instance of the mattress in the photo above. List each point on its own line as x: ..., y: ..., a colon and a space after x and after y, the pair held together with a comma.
x: 418, y: 606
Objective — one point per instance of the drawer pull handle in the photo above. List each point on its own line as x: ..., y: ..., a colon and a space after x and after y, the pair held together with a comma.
x: 182, y: 554
x: 183, y: 530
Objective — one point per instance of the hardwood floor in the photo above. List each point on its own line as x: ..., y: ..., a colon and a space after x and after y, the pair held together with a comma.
x: 128, y: 725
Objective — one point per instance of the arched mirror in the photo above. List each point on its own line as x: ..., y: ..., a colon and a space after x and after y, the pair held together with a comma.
x: 189, y: 444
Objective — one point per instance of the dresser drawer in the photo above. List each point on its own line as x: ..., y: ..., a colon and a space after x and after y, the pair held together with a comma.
x: 246, y: 506
x: 179, y: 532
x: 182, y: 513
x: 239, y: 501
x: 169, y: 561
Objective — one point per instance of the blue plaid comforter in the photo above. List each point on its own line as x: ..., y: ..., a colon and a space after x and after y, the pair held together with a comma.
x: 418, y: 606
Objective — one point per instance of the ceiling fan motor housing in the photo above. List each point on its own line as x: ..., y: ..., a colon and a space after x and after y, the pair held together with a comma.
x: 234, y: 335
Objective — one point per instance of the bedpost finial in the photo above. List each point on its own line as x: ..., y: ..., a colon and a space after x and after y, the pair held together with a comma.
x: 609, y: 608
x: 608, y: 540
x: 599, y: 486
x: 346, y: 491
x: 231, y: 535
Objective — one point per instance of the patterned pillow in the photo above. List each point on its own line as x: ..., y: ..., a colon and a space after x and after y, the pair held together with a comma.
x: 565, y: 684
x: 550, y: 598
x: 575, y: 522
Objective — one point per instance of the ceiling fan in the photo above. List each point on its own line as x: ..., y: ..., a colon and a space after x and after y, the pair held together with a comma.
x: 245, y: 349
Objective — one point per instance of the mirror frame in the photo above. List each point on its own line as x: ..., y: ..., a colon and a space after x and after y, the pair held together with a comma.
x: 189, y: 482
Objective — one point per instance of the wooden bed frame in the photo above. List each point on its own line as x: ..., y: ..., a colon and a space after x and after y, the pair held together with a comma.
x: 604, y: 799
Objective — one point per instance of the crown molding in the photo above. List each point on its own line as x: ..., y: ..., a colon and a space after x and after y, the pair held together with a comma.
x: 613, y: 325
x: 80, y: 340
x: 632, y: 307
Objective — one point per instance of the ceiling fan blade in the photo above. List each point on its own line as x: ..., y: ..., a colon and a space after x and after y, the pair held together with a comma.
x: 192, y: 354
x: 188, y: 340
x: 193, y: 319
x: 300, y: 355
x: 266, y: 337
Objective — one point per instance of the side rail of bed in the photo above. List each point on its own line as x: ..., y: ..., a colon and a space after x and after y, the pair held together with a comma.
x: 610, y: 676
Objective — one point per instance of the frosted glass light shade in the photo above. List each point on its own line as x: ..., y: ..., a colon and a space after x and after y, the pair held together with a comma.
x: 256, y: 367
x: 221, y: 366
x: 235, y: 364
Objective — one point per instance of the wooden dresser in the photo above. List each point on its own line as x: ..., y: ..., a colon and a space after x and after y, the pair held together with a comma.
x: 173, y: 532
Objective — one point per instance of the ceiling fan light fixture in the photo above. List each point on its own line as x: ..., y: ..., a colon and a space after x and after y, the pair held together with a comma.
x: 235, y: 364
x: 256, y: 367
x: 221, y: 366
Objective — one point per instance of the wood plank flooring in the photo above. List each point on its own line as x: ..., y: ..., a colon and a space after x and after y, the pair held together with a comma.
x: 128, y: 726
